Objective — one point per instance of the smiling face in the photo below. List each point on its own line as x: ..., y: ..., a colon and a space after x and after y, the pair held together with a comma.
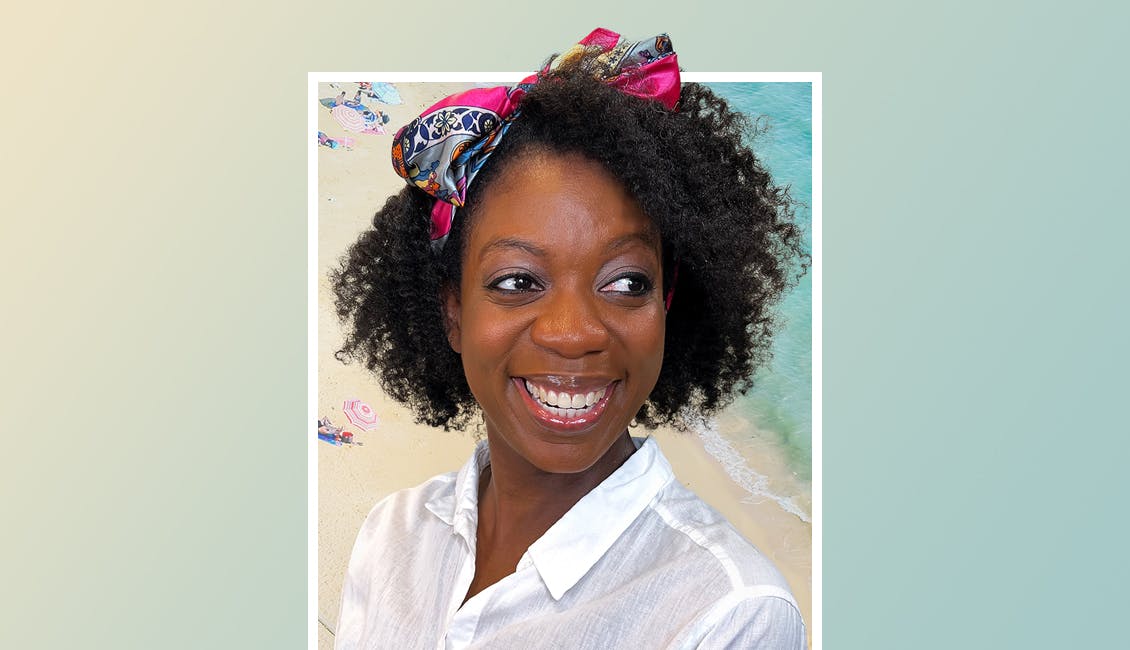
x: 559, y: 317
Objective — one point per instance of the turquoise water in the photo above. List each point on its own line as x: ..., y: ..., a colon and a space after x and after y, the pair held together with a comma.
x: 780, y: 404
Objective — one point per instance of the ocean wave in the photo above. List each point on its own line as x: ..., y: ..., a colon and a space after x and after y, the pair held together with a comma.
x: 757, y: 485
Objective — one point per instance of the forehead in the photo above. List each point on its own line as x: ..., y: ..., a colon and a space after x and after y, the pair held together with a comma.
x: 565, y: 204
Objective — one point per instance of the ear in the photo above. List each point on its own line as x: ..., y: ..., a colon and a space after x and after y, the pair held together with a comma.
x: 452, y: 311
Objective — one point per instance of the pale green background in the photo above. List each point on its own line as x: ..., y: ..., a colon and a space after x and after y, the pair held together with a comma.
x: 154, y: 305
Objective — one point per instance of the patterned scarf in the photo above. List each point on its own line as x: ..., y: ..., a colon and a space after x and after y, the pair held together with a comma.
x: 441, y: 151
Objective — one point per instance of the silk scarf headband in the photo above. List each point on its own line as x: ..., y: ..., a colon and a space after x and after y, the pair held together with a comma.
x: 441, y: 150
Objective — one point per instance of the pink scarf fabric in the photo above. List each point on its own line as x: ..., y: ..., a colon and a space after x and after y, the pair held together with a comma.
x: 441, y: 150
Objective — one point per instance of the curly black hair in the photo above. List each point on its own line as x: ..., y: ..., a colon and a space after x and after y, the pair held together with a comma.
x: 726, y: 227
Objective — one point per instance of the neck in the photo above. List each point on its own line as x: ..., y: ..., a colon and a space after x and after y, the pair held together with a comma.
x: 519, y: 502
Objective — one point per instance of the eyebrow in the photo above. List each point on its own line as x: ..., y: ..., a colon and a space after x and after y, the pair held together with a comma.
x: 648, y: 238
x: 512, y: 242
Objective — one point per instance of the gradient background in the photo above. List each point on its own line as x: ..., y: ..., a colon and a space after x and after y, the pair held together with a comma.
x: 154, y: 284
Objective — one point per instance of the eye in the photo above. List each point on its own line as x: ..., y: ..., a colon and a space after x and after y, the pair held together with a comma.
x: 515, y: 283
x: 630, y: 284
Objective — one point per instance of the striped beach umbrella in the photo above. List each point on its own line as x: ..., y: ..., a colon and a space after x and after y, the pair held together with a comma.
x: 360, y: 414
x: 349, y: 118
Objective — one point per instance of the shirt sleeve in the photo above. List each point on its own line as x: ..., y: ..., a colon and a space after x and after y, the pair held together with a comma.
x: 751, y: 621
x: 354, y: 594
x: 355, y: 588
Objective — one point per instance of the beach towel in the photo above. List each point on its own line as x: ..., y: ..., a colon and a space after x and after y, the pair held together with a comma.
x: 384, y: 92
x: 335, y: 143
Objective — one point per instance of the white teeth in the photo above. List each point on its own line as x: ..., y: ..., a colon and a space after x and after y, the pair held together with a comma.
x: 564, y: 404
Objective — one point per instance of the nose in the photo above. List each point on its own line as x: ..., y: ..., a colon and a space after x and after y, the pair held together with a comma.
x: 570, y: 323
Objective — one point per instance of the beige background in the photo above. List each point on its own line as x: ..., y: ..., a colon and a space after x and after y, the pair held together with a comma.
x: 153, y: 282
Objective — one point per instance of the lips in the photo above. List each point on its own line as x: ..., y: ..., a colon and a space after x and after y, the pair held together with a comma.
x: 564, y: 410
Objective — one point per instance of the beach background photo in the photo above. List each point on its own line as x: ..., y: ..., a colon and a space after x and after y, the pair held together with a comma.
x: 752, y: 462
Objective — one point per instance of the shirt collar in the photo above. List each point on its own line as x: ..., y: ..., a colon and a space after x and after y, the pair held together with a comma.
x: 566, y: 552
x: 459, y: 508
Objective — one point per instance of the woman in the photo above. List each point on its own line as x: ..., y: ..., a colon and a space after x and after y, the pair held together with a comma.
x: 591, y: 248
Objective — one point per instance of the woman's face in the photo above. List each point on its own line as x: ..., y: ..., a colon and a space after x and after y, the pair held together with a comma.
x: 559, y: 317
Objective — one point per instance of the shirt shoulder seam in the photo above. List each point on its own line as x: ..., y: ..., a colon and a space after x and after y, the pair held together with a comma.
x: 723, y: 606
x: 698, y: 538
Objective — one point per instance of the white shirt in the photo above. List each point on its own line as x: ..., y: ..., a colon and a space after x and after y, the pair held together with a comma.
x: 638, y: 562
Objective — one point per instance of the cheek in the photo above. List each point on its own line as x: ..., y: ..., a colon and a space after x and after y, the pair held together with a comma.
x: 656, y: 347
x: 489, y: 337
x: 643, y: 339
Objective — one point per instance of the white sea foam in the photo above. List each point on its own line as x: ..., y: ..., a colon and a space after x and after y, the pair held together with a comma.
x: 740, y: 472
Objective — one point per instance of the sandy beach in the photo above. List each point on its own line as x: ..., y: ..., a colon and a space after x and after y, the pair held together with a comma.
x: 352, y: 185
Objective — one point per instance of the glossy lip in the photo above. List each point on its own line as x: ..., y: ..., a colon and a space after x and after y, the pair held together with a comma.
x: 558, y: 423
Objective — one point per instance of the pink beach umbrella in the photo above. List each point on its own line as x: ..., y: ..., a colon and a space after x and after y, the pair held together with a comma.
x: 360, y: 414
x: 349, y: 118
